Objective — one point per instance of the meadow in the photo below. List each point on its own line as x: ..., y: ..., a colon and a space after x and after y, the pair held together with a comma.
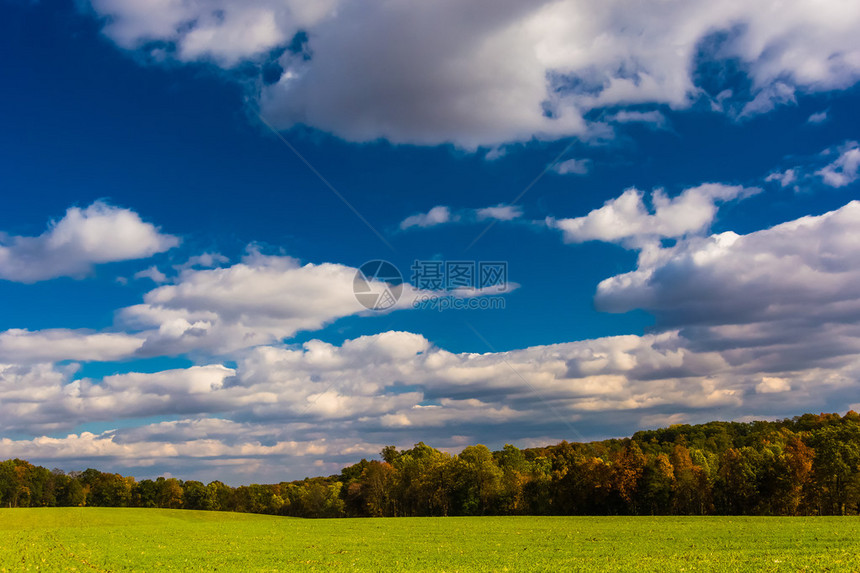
x: 121, y: 539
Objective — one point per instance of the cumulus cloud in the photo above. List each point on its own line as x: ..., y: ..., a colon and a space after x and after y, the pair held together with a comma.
x: 765, y: 322
x: 260, y: 300
x: 436, y: 216
x: 107, y: 445
x: 83, y: 238
x: 628, y: 220
x: 495, y: 153
x: 221, y: 31
x: 818, y: 117
x: 442, y: 215
x: 663, y: 420
x: 802, y: 270
x: 772, y: 385
x: 486, y: 73
x: 204, y: 261
x: 56, y: 402
x: 396, y: 386
x: 152, y: 273
x: 654, y: 118
x: 836, y: 166
x: 784, y: 178
x: 204, y: 449
x: 392, y: 379
x: 776, y: 94
x: 844, y: 169
x: 53, y: 345
x: 500, y: 212
x: 573, y: 166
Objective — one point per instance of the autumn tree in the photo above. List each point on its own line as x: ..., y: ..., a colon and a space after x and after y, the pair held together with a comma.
x: 628, y: 466
x: 168, y: 493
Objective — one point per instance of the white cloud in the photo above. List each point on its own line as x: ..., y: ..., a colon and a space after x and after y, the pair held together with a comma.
x: 573, y: 166
x: 396, y: 386
x: 442, y: 215
x: 663, y: 420
x: 500, y: 212
x: 435, y: 216
x: 802, y: 270
x: 219, y: 30
x: 261, y: 300
x: 772, y: 96
x: 626, y: 219
x: 765, y: 323
x: 844, y: 169
x: 819, y: 117
x: 493, y: 72
x: 252, y: 30
x: 358, y: 385
x: 53, y: 345
x: 204, y: 261
x: 772, y: 385
x: 836, y: 166
x: 495, y: 153
x: 240, y: 457
x: 152, y: 273
x: 784, y: 178
x: 257, y: 301
x: 81, y: 239
x: 245, y: 455
x: 654, y: 118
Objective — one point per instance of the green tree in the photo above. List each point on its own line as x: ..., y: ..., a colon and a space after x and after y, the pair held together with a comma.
x: 219, y: 497
x: 478, y: 480
x: 516, y: 474
x: 145, y: 494
x: 658, y: 483
x: 69, y: 491
x: 193, y: 495
x: 836, y: 466
x: 737, y: 486
x: 421, y: 482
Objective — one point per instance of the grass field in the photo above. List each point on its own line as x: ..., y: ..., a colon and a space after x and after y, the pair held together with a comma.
x: 103, y: 539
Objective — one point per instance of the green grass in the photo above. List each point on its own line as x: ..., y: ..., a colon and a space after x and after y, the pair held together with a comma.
x: 103, y: 539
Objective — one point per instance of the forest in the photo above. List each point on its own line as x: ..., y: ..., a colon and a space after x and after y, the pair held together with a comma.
x: 806, y: 465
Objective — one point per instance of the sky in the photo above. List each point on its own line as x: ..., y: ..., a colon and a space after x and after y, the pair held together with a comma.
x: 190, y: 189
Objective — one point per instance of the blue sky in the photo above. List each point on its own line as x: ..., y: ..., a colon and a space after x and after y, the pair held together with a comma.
x: 671, y: 191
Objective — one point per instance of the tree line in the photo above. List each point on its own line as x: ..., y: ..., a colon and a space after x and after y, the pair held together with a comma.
x: 807, y: 465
